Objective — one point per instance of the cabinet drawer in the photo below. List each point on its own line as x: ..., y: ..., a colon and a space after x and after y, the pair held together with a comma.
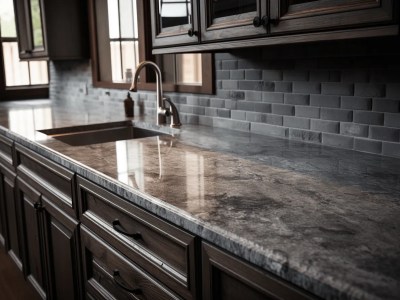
x: 6, y: 152
x: 109, y: 275
x: 163, y: 250
x: 52, y: 180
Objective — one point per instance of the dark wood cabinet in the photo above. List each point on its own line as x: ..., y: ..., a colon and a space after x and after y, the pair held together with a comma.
x: 311, y: 15
x: 227, y: 277
x: 228, y: 24
x: 9, y: 207
x: 34, y: 263
x: 52, y: 29
x: 165, y: 252
x: 50, y: 241
x: 174, y: 22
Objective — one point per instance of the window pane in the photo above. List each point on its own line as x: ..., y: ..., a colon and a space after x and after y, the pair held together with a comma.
x: 129, y: 59
x: 38, y: 72
x: 126, y: 14
x: 188, y: 69
x: 17, y: 73
x: 113, y: 19
x: 7, y: 20
x: 36, y: 24
x: 116, y: 61
x: 20, y: 73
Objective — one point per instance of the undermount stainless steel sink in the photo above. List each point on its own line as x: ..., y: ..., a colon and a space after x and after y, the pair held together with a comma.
x: 100, y: 133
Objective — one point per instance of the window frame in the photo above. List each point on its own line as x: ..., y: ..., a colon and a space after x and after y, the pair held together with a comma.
x: 20, y: 92
x: 145, y: 47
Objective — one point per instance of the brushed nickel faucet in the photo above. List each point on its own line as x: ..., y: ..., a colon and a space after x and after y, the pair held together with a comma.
x: 162, y: 111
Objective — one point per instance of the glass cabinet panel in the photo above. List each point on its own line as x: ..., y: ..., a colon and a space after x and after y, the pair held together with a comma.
x: 36, y: 18
x: 174, y: 13
x: 174, y: 22
x: 226, y: 19
x: 226, y: 8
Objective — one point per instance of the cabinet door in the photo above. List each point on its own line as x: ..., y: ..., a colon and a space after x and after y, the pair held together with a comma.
x: 174, y: 22
x: 34, y: 261
x: 31, y: 31
x: 227, y: 277
x: 12, y: 217
x: 229, y: 19
x: 62, y: 252
x: 309, y: 15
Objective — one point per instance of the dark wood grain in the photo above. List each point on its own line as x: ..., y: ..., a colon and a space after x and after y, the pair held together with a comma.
x: 12, y: 283
x: 227, y: 277
x: 160, y: 242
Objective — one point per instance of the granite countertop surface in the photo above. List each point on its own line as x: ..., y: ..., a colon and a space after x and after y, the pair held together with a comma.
x: 323, y: 218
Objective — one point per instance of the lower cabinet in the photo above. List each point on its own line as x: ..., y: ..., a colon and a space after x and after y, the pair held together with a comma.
x: 227, y: 277
x: 51, y: 256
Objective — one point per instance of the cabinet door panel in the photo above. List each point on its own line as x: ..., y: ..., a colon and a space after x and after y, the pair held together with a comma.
x: 12, y: 215
x: 3, y: 218
x: 310, y: 15
x: 33, y: 254
x: 232, y: 19
x: 62, y: 252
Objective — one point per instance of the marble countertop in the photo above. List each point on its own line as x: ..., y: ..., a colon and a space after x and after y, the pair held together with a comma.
x: 325, y: 219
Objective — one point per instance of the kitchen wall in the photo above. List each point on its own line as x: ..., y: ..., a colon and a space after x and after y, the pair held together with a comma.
x: 342, y: 94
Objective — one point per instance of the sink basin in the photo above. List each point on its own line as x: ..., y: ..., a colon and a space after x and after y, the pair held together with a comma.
x: 100, y: 133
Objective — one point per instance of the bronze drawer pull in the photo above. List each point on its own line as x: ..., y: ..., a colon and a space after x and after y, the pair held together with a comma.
x: 118, y: 227
x: 122, y: 284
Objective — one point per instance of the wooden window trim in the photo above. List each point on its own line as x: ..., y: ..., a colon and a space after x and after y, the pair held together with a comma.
x: 208, y: 84
x: 19, y: 92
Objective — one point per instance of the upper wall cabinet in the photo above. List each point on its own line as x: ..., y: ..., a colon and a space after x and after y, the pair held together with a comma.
x: 52, y: 29
x: 226, y: 24
x: 174, y: 22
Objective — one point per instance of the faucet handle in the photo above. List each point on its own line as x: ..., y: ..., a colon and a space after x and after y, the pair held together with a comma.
x: 173, y: 112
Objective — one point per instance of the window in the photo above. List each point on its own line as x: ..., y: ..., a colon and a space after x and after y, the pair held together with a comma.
x: 120, y: 38
x: 18, y: 76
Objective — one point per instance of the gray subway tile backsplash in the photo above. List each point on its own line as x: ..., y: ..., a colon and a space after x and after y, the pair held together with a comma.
x: 346, y: 102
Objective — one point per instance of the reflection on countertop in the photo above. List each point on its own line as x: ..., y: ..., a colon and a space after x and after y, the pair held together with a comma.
x: 323, y: 218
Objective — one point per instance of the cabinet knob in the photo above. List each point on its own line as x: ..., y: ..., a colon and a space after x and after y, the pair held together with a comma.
x: 257, y: 21
x: 192, y: 32
x: 123, y: 285
x: 264, y: 21
x: 118, y: 227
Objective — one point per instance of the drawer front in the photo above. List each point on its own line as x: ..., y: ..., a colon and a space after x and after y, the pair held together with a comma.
x: 49, y: 178
x: 109, y: 275
x: 6, y: 152
x: 161, y: 249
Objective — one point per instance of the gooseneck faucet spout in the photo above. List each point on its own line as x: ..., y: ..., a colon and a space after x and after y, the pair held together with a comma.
x: 162, y: 112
